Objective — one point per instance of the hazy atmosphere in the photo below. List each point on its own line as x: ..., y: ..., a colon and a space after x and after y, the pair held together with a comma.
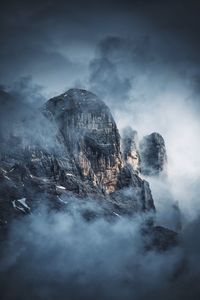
x: 142, y: 59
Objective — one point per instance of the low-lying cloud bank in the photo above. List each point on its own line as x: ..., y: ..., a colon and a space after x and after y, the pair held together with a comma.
x: 61, y: 256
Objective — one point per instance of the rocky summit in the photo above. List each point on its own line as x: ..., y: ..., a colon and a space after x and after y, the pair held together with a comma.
x: 88, y: 160
x: 90, y: 134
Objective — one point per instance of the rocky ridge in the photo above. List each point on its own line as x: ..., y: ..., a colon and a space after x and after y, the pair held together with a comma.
x: 88, y: 161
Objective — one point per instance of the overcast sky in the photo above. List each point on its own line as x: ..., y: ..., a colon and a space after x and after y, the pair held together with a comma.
x: 55, y: 41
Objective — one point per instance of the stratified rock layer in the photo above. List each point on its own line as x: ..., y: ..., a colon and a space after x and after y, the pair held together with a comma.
x: 90, y: 134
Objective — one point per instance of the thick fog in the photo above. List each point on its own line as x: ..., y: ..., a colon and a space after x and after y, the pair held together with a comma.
x: 150, y: 94
x: 142, y: 59
x: 59, y: 255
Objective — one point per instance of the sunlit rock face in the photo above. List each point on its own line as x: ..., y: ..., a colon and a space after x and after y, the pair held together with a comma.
x: 92, y: 140
x: 153, y: 155
x: 90, y: 134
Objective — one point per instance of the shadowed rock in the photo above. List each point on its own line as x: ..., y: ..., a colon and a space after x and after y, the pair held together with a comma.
x: 130, y: 148
x: 85, y: 162
x: 153, y: 154
x: 90, y: 134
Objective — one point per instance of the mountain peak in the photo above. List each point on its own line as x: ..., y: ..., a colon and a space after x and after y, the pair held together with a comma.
x: 76, y: 99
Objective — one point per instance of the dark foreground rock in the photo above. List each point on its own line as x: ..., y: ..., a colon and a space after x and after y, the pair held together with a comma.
x: 159, y: 238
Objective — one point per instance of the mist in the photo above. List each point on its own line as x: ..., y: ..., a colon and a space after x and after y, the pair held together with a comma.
x: 149, y: 93
x: 52, y: 255
x: 141, y: 59
x: 24, y: 121
x: 59, y: 254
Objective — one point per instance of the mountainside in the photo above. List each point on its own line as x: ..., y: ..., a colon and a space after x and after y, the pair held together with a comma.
x: 87, y: 161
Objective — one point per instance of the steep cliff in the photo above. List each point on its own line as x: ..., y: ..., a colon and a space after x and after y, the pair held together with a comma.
x: 130, y: 148
x: 85, y: 162
x: 90, y: 134
x: 92, y: 139
x: 153, y: 154
x: 147, y: 156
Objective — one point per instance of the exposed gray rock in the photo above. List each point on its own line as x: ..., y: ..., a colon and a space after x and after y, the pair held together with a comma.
x: 85, y: 162
x: 89, y: 164
x: 90, y: 134
x: 153, y: 154
x: 159, y: 238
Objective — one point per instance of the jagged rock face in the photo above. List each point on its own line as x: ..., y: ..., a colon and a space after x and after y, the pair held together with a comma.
x: 153, y: 154
x: 90, y: 134
x: 87, y: 163
x: 135, y: 190
x: 130, y: 148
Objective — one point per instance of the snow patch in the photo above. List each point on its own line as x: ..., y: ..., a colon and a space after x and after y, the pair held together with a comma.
x: 61, y: 200
x: 61, y: 187
x: 69, y: 174
x: 20, y: 204
x: 116, y: 214
x: 23, y: 202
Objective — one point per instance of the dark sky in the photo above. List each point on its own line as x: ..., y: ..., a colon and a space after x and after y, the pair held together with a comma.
x: 54, y: 42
